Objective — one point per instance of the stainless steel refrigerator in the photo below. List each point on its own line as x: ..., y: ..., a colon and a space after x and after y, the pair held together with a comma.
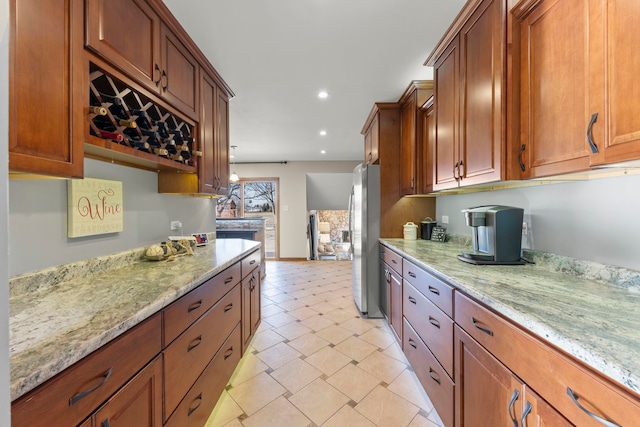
x: 364, y: 232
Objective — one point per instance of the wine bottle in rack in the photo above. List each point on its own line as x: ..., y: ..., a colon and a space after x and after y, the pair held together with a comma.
x: 170, y: 145
x: 139, y: 144
x: 128, y: 123
x: 117, y: 137
x: 163, y: 129
x: 153, y: 137
x: 161, y: 152
x: 117, y: 106
x: 97, y: 110
x: 143, y: 120
x: 176, y: 156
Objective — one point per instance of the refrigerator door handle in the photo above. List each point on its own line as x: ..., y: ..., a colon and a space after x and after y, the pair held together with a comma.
x: 350, y: 221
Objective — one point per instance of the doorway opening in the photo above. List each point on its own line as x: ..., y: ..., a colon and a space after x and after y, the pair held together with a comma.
x: 252, y: 198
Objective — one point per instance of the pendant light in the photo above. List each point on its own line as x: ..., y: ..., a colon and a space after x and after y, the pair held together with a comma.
x: 234, y: 176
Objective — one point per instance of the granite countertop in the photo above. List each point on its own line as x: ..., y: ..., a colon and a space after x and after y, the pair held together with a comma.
x: 55, y: 322
x: 586, y: 309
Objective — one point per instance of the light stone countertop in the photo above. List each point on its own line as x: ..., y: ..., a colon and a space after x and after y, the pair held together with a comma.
x: 588, y: 310
x: 55, y: 324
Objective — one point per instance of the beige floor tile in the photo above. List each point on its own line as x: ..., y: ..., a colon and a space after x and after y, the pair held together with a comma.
x: 385, y: 408
x: 339, y: 315
x: 381, y: 366
x: 271, y: 310
x: 334, y: 334
x: 293, y: 330
x: 319, y: 401
x: 435, y: 418
x: 280, y: 412
x: 378, y: 337
x: 357, y: 325
x: 225, y: 411
x: 308, y: 344
x: 282, y: 297
x: 249, y: 367
x: 302, y: 313
x: 354, y: 382
x: 420, y: 421
x: 279, y: 320
x: 317, y: 322
x: 295, y: 375
x: 407, y: 386
x: 278, y: 355
x: 265, y: 339
x: 234, y: 423
x: 256, y: 393
x: 292, y: 304
x: 395, y: 351
x: 356, y: 348
x: 322, y: 306
x: 328, y: 360
x: 347, y: 416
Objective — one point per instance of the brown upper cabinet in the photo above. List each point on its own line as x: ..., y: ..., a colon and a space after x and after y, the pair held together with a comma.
x: 411, y: 134
x: 579, y: 102
x: 470, y: 64
x: 53, y: 146
x: 371, y: 141
x: 148, y: 51
x: 428, y: 141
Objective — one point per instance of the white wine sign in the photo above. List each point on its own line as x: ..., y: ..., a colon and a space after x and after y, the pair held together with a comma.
x: 94, y: 207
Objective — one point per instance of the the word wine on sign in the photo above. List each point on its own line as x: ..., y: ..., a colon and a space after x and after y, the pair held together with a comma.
x: 94, y: 207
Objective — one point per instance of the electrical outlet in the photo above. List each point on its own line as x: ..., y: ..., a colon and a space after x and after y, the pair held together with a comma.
x: 176, y: 225
x: 525, y: 228
x: 445, y: 219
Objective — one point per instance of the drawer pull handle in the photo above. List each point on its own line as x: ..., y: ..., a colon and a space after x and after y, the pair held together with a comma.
x: 196, y: 342
x: 228, y: 280
x: 522, y: 166
x: 196, y: 305
x: 586, y: 411
x: 594, y: 147
x: 412, y: 300
x: 412, y: 343
x: 485, y: 330
x: 434, y: 290
x: 192, y: 409
x: 434, y: 376
x: 514, y: 397
x: 253, y: 261
x: 228, y: 353
x: 525, y: 413
x: 412, y: 274
x: 228, y: 307
x: 85, y: 393
x: 434, y: 322
x: 394, y: 261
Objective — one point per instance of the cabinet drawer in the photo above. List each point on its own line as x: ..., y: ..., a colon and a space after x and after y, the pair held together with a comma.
x: 195, y: 408
x: 433, y: 326
x: 392, y: 259
x: 549, y: 372
x: 440, y: 293
x: 250, y: 262
x: 188, y: 355
x: 75, y: 393
x: 178, y: 316
x: 432, y: 376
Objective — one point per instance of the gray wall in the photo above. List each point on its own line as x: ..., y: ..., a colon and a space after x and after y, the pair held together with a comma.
x: 597, y: 220
x: 38, y: 218
x: 5, y: 412
x: 328, y: 191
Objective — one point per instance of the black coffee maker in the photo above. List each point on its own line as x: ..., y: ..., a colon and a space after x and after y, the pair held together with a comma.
x: 496, y: 235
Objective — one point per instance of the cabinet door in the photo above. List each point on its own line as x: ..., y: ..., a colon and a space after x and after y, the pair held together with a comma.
x: 179, y: 74
x: 538, y: 413
x: 481, y: 86
x: 408, y: 136
x: 255, y: 301
x: 487, y: 394
x: 428, y: 142
x: 555, y: 95
x: 396, y: 304
x: 222, y: 143
x: 138, y: 403
x: 385, y: 289
x: 250, y: 307
x: 46, y: 90
x: 615, y: 42
x: 446, y: 72
x: 208, y: 179
x: 127, y: 34
x: 371, y: 143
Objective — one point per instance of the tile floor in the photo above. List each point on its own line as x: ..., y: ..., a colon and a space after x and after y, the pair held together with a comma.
x: 315, y: 362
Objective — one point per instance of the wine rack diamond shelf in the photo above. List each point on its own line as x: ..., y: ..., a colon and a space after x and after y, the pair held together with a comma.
x: 127, y: 126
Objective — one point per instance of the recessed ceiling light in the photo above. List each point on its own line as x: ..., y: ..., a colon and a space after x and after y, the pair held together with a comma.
x: 323, y: 132
x: 323, y: 94
x: 323, y: 152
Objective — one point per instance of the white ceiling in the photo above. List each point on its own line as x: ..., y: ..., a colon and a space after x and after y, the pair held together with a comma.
x: 276, y: 55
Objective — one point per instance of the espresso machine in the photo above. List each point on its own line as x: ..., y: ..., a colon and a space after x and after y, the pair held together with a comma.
x: 496, y: 235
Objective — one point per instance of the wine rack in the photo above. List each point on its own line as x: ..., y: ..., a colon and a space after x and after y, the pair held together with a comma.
x: 128, y: 122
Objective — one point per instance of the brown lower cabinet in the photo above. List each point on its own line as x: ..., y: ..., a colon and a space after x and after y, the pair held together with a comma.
x: 177, y: 361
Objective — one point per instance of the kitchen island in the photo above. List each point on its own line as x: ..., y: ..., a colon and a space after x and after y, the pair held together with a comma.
x: 558, y: 324
x: 60, y: 315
